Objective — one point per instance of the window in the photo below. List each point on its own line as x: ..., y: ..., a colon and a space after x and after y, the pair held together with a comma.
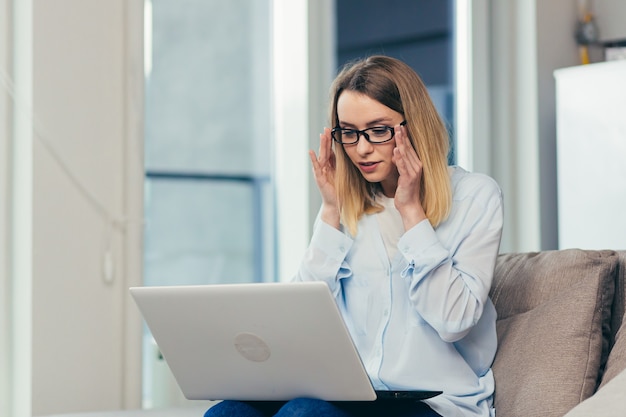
x: 419, y: 32
x: 208, y: 143
x: 209, y: 201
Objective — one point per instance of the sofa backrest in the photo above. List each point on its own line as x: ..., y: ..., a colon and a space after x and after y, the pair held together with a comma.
x: 616, y: 360
x: 619, y: 300
x: 555, y: 327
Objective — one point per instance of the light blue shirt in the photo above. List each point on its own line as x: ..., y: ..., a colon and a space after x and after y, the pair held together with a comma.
x: 423, y: 320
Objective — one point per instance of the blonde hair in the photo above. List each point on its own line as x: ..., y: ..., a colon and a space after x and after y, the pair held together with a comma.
x: 394, y: 84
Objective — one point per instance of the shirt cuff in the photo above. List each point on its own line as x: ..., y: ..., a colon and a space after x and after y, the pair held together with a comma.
x: 421, y: 243
x: 330, y: 241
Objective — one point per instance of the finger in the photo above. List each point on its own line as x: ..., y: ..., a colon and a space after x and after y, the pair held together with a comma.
x: 404, y: 142
x: 317, y: 168
x: 399, y: 161
x: 404, y: 162
x: 325, y: 158
x: 411, y: 151
x: 408, y: 152
x: 314, y: 160
x: 325, y: 145
x: 398, y: 152
x: 322, y: 148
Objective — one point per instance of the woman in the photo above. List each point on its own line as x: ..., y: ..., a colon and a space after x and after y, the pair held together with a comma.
x: 408, y: 246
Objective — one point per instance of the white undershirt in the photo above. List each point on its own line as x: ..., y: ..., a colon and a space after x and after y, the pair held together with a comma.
x: 390, y: 224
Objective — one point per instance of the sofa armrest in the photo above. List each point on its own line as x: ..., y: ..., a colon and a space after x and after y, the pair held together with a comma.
x: 609, y: 401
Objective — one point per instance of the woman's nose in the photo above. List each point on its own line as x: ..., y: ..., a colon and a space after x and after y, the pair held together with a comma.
x: 363, y: 146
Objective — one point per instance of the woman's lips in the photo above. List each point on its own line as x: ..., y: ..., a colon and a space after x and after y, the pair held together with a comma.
x: 368, y: 167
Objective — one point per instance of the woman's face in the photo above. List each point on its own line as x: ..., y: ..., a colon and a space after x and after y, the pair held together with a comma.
x: 358, y: 111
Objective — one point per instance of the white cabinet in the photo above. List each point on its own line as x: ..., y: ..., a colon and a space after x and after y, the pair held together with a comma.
x: 591, y: 155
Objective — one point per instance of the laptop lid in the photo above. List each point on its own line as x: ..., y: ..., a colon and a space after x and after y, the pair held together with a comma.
x: 264, y: 341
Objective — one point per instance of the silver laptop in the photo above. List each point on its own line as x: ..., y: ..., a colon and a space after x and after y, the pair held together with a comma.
x: 258, y: 342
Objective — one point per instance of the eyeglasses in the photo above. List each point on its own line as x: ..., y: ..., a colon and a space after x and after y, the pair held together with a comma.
x: 376, y: 134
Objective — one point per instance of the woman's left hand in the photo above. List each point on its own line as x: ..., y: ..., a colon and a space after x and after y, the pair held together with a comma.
x: 407, y: 197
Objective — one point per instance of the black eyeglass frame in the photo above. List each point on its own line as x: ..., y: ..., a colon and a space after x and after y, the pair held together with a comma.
x: 363, y: 133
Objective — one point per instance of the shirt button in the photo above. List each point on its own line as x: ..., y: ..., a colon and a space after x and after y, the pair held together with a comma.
x: 342, y: 249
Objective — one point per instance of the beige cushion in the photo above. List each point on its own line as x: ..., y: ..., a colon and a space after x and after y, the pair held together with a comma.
x: 609, y: 401
x: 619, y: 301
x: 617, y: 358
x: 554, y: 310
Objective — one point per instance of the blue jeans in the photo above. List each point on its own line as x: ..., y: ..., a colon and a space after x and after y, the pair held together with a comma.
x: 306, y: 407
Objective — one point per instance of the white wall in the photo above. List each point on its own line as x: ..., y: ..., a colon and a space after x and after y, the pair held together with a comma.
x: 610, y: 15
x: 87, y: 187
x: 528, y: 41
x: 81, y: 343
x: 555, y: 49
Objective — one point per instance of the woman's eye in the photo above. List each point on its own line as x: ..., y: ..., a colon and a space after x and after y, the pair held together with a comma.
x: 348, y: 133
x: 379, y: 131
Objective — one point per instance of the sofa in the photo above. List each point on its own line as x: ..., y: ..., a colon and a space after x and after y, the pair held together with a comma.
x: 561, y: 334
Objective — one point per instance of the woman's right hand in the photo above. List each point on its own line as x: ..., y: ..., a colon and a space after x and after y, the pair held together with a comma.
x: 324, y: 173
